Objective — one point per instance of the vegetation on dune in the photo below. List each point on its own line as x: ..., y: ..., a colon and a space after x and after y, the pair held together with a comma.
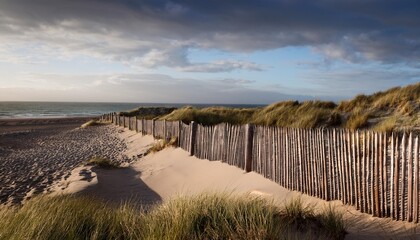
x: 308, y: 114
x: 395, y: 109
x: 102, y: 162
x: 206, y: 216
x: 162, y: 144
x: 212, y: 115
x: 148, y: 112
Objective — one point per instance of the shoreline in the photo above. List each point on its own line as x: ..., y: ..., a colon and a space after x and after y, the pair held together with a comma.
x: 30, y: 124
x: 53, y: 163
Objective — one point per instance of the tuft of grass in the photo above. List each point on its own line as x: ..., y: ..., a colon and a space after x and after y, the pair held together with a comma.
x: 162, y: 144
x: 68, y: 217
x: 205, y: 216
x: 102, y: 162
x: 333, y: 222
x: 295, y: 213
x: 388, y: 125
x: 357, y: 121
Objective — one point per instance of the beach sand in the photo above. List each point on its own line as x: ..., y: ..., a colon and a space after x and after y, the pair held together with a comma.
x: 34, y: 153
x: 172, y: 172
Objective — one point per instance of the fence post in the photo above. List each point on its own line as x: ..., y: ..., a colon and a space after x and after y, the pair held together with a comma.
x: 164, y: 129
x: 179, y: 133
x: 153, y: 127
x: 249, y: 138
x: 192, y: 139
x: 137, y: 124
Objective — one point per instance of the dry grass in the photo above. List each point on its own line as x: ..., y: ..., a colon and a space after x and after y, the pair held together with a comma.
x: 102, y: 162
x: 162, y: 144
x: 357, y: 121
x: 402, y: 103
x: 206, y: 216
x: 212, y: 115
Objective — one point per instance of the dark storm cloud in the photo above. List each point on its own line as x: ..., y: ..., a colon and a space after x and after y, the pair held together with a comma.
x: 354, y: 30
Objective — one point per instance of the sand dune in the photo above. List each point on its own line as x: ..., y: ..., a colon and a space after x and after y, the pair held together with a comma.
x: 172, y: 172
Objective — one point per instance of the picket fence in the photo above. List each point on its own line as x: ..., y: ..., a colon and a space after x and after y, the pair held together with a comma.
x: 378, y: 173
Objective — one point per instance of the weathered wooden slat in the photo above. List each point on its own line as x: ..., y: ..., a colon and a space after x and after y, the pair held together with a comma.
x: 376, y: 211
x: 403, y: 178
x: 410, y: 179
x: 416, y: 181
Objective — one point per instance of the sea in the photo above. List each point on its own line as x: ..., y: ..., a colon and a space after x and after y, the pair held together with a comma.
x: 18, y: 110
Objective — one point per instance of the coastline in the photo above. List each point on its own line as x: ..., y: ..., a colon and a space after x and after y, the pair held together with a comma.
x: 53, y: 163
x: 14, y: 124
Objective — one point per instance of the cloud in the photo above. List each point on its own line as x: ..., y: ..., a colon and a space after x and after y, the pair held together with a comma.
x: 161, y: 32
x: 138, y: 88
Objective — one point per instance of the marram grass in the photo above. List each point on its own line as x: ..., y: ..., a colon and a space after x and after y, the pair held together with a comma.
x: 362, y: 112
x: 205, y: 216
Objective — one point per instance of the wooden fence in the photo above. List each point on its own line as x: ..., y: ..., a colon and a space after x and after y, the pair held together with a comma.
x: 378, y: 173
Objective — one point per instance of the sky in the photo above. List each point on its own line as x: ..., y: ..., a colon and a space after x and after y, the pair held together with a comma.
x: 219, y: 51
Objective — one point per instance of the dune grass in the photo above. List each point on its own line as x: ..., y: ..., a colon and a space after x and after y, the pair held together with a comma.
x: 102, y: 162
x: 162, y: 144
x: 205, y: 216
x: 362, y: 112
x: 212, y: 115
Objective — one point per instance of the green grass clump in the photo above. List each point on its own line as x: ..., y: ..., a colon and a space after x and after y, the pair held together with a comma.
x: 205, y: 216
x: 102, y: 162
x: 212, y: 115
x: 357, y: 121
x: 333, y: 223
x: 68, y: 217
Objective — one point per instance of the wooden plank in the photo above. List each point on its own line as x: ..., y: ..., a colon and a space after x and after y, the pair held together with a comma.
x: 416, y: 181
x: 331, y: 165
x: 325, y: 171
x: 347, y: 168
x: 368, y: 174
x: 410, y: 179
x: 396, y: 180
x: 385, y: 175
x: 351, y: 167
x: 299, y: 139
x: 313, y: 162
x: 403, y: 177
x: 377, y: 175
x: 364, y: 173
x: 340, y: 166
x: 288, y: 169
x: 392, y: 175
x: 355, y: 173
x: 358, y: 171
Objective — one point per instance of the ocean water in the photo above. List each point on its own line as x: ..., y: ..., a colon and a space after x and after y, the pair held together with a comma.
x: 76, y: 109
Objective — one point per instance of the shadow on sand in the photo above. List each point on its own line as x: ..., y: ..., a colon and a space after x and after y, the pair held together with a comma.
x: 122, y: 185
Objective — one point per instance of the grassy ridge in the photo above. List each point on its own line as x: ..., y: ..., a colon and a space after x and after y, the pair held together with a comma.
x: 395, y: 109
x: 206, y: 216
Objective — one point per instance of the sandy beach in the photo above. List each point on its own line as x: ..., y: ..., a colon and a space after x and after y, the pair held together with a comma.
x: 53, y: 163
x: 36, y: 152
